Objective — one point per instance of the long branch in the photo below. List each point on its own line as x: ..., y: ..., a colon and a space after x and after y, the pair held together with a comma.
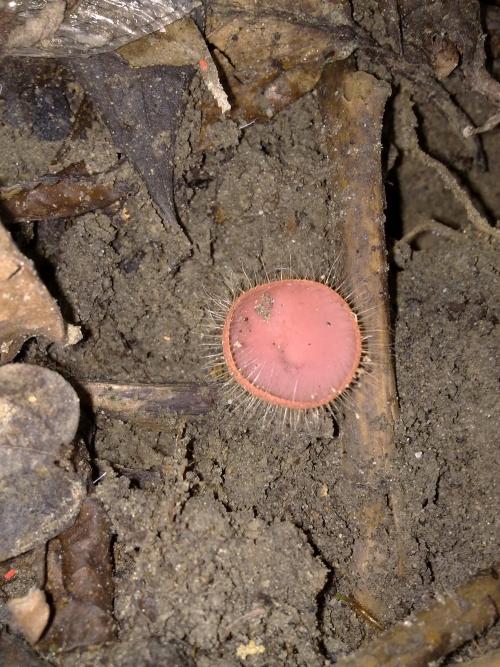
x: 353, y: 105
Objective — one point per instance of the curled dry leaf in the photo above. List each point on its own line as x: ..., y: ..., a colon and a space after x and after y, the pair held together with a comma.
x: 60, y: 196
x: 39, y: 494
x: 26, y: 307
x: 79, y: 579
x: 30, y: 614
x: 272, y: 52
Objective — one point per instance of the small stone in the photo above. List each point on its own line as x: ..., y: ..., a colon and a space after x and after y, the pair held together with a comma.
x: 30, y: 614
x: 39, y: 494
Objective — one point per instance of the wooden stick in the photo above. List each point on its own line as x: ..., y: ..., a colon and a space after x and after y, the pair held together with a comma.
x: 353, y: 105
x: 454, y: 619
x: 148, y: 402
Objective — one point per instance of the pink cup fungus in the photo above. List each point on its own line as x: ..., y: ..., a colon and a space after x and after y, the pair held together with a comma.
x: 292, y: 343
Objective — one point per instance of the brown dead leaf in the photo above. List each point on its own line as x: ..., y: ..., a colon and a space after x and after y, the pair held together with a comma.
x: 272, y: 52
x: 30, y: 614
x: 60, y: 196
x: 180, y: 43
x: 79, y: 579
x: 271, y: 44
x: 26, y: 307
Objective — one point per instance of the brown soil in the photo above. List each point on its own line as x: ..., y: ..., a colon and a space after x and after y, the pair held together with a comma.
x: 243, y: 536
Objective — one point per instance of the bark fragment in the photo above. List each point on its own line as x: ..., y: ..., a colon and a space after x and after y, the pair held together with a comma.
x: 454, y: 619
x: 148, y: 402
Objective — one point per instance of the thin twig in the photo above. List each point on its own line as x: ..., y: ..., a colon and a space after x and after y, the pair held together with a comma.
x: 490, y: 124
x: 432, y: 226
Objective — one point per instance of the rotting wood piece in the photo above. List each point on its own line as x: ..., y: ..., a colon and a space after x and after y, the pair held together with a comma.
x: 148, y: 402
x: 353, y: 105
x: 454, y: 619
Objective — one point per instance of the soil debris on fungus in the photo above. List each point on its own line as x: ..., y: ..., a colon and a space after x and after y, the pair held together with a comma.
x: 163, y: 521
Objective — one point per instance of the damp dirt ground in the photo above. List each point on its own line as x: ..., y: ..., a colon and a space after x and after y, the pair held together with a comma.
x: 240, y: 533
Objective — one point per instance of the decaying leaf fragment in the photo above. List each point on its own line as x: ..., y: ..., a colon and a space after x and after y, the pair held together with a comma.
x: 180, y: 43
x: 80, y: 582
x: 26, y: 307
x: 60, y: 196
x: 272, y: 52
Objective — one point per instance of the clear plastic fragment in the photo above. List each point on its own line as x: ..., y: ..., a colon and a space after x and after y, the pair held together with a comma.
x: 82, y: 27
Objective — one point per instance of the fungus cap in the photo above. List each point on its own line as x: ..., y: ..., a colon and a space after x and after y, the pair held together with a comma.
x: 292, y: 343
